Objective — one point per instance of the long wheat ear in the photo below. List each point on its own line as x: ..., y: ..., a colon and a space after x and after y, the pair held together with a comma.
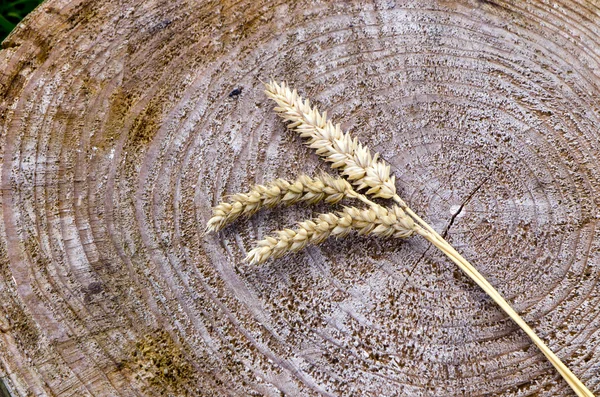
x: 375, y: 220
x: 367, y: 170
x: 354, y: 159
x: 323, y: 187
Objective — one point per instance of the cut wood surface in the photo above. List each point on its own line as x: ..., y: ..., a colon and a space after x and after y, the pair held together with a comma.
x: 124, y: 122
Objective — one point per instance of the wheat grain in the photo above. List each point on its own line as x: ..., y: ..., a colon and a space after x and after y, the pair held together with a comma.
x: 375, y: 220
x: 356, y: 161
x: 323, y: 187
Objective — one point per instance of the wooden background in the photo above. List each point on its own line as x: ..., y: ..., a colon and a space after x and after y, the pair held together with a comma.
x: 123, y: 122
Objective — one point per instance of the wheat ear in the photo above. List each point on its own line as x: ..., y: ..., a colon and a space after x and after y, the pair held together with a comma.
x: 367, y: 170
x: 323, y: 187
x: 356, y: 161
x: 375, y: 220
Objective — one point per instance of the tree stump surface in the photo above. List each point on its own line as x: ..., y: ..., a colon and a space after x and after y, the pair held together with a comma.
x: 123, y: 122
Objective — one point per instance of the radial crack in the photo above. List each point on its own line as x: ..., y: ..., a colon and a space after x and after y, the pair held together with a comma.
x: 466, y: 201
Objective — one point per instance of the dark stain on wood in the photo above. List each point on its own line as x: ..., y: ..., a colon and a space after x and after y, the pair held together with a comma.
x: 146, y: 124
x: 159, y: 361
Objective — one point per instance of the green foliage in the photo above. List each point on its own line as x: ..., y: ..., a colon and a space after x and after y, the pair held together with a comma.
x: 11, y: 13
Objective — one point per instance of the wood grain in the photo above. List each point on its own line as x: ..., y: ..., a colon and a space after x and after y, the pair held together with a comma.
x: 124, y: 122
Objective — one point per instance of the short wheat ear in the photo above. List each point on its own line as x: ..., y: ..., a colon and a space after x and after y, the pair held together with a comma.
x: 305, y: 189
x: 367, y: 170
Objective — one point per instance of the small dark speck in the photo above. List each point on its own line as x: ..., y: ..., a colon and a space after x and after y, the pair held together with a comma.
x: 94, y: 288
x: 160, y: 26
x: 490, y: 3
x: 4, y: 392
x: 9, y: 44
x: 235, y: 92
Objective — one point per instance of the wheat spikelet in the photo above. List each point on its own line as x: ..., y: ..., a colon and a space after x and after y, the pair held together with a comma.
x: 375, y: 220
x: 323, y: 187
x: 355, y: 160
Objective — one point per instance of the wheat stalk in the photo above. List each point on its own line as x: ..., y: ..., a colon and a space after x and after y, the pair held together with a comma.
x: 374, y: 220
x: 366, y: 170
x: 578, y: 387
x: 358, y: 164
x: 323, y: 187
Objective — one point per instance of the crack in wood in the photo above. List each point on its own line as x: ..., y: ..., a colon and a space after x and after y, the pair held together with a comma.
x: 444, y: 234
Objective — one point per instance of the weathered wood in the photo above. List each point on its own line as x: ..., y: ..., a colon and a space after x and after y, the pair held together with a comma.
x: 123, y: 122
